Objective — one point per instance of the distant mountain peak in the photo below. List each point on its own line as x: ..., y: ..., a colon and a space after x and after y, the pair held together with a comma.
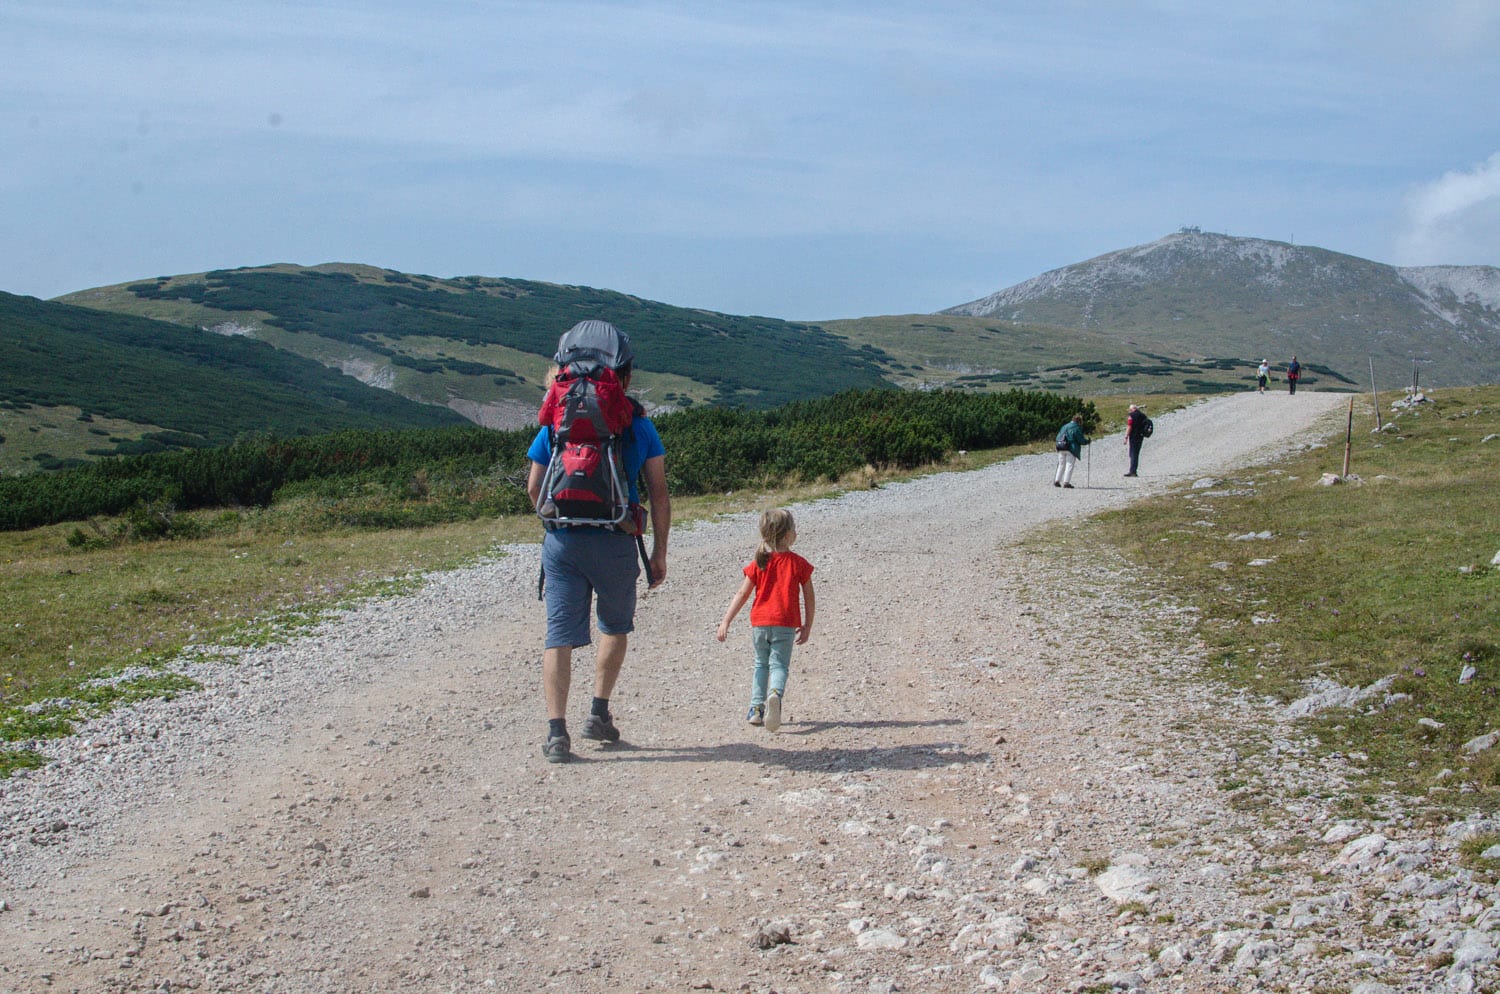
x: 1220, y: 294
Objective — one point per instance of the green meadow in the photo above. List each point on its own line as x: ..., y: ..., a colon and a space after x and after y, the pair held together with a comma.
x: 1385, y: 577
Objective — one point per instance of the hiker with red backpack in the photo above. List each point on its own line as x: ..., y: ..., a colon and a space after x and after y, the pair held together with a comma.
x: 594, y: 443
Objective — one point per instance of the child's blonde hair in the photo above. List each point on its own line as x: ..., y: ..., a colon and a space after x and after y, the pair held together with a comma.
x: 775, y: 525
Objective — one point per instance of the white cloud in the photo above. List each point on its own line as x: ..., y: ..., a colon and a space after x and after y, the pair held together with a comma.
x: 1455, y: 219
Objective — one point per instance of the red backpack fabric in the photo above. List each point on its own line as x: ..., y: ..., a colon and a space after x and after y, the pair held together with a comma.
x: 587, y: 414
x: 613, y: 405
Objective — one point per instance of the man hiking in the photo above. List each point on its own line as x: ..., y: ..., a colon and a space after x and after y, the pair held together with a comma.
x: 595, y: 561
x: 1137, y: 428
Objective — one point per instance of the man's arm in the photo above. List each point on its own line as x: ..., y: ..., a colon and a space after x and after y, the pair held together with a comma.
x: 654, y: 472
x: 534, y: 481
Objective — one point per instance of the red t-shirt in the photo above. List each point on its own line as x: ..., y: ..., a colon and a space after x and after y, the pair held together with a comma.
x: 777, y: 589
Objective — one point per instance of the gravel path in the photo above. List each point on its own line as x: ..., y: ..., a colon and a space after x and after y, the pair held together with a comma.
x: 995, y: 773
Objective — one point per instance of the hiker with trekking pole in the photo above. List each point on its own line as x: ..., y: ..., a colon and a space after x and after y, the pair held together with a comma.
x: 594, y: 443
x: 1070, y: 442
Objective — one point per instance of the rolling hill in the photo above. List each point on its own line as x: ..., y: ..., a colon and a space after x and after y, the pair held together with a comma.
x: 1205, y: 294
x: 1191, y: 312
x: 77, y: 383
x: 482, y: 346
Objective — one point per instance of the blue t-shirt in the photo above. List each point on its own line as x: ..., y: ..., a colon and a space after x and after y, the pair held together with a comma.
x: 641, y: 444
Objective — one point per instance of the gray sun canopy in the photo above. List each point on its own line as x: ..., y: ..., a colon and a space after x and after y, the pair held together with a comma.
x: 590, y: 343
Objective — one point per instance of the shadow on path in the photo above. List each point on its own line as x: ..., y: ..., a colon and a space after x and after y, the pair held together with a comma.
x: 917, y: 756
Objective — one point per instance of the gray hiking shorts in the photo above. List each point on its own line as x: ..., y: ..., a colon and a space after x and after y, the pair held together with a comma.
x: 581, y: 565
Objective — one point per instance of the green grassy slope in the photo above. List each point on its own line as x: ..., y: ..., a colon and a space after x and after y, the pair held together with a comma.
x: 180, y: 386
x: 489, y: 339
x: 950, y: 350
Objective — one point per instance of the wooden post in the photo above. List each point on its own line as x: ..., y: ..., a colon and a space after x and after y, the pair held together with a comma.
x: 1348, y: 437
x: 1374, y: 396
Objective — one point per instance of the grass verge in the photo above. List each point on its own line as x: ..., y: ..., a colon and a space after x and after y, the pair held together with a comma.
x: 1382, y: 582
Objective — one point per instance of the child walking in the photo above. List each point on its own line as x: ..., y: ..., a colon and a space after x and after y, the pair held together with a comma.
x: 775, y: 577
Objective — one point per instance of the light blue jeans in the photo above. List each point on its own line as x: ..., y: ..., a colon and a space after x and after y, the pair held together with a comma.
x: 773, y: 655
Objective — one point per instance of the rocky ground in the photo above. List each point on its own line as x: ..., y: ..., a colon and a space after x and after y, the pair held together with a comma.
x: 999, y: 771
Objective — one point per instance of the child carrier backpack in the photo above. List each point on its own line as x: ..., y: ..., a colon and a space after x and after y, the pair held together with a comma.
x: 588, y: 417
x: 586, y: 414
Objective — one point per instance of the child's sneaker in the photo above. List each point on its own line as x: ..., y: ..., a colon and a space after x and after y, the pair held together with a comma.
x: 773, y: 710
x: 756, y: 715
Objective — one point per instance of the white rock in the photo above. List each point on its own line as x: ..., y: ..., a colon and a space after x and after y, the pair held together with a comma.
x: 1481, y: 743
x: 1467, y: 674
x: 1171, y: 959
x: 1126, y: 884
x: 1252, y: 954
x: 1128, y: 980
x: 1226, y: 942
x: 1028, y: 976
x: 1331, y: 694
x: 1001, y: 932
x: 1363, y: 852
x: 1341, y: 831
x: 1330, y: 479
x: 1473, y: 951
x: 879, y: 938
x: 815, y: 797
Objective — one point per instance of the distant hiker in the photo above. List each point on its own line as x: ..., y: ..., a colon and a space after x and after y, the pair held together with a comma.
x: 1070, y: 443
x: 1293, y: 374
x: 603, y: 441
x: 776, y: 576
x: 1263, y: 375
x: 1138, y: 428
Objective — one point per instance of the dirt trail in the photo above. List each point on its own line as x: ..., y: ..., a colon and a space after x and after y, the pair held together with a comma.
x: 402, y: 833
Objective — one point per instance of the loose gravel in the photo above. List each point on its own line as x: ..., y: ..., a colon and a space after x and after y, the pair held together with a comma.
x: 999, y: 769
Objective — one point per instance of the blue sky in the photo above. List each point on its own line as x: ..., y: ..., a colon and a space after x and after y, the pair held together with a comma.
x: 789, y: 158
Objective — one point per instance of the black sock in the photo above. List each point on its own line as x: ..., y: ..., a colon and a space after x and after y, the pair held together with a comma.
x: 557, y: 727
x: 601, y: 707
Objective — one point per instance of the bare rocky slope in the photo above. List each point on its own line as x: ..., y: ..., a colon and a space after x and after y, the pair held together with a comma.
x: 1199, y: 292
x: 999, y: 771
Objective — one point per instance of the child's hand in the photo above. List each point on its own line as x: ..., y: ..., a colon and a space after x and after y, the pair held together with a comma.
x: 722, y: 633
x: 803, y: 634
